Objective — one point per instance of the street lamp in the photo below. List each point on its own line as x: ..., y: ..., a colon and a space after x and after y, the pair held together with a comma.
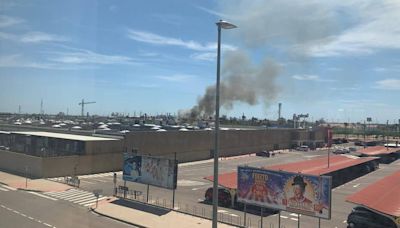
x: 221, y: 25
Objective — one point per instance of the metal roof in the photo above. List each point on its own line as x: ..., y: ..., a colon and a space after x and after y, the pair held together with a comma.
x: 317, y: 166
x: 382, y: 195
x: 378, y: 150
x: 63, y: 136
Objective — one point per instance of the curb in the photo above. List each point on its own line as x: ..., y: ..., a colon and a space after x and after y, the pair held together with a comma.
x: 117, y: 219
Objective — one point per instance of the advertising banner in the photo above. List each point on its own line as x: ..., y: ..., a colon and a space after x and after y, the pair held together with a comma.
x: 293, y: 192
x: 155, y: 171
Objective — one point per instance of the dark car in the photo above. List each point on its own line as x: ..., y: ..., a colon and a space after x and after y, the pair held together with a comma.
x: 263, y: 153
x: 361, y: 217
x: 224, y: 197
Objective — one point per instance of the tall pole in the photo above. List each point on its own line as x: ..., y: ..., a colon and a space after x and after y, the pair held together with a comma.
x: 387, y: 134
x: 365, y: 126
x: 216, y: 145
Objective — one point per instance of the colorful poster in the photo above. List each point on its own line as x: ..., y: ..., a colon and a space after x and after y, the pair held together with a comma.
x: 294, y: 192
x: 150, y: 170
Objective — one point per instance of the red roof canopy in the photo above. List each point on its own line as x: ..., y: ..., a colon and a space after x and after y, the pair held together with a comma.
x: 382, y: 196
x: 317, y: 166
x: 378, y: 150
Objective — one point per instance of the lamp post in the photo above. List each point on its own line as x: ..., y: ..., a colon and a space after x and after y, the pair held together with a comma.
x: 221, y: 25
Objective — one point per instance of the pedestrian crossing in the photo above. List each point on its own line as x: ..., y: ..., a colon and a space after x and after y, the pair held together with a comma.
x: 76, y: 196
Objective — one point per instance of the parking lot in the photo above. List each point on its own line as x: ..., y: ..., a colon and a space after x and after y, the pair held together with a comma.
x: 189, y: 195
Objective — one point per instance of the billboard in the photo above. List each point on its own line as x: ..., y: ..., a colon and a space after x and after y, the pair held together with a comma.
x: 294, y: 192
x: 155, y: 171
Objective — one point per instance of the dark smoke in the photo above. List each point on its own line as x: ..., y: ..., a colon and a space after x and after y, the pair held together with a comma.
x: 241, y: 81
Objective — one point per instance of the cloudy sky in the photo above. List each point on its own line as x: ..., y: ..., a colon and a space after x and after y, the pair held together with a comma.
x: 337, y: 60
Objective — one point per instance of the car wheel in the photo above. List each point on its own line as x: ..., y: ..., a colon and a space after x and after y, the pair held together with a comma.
x: 351, y: 225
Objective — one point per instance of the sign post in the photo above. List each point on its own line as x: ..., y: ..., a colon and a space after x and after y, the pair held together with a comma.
x: 96, y: 193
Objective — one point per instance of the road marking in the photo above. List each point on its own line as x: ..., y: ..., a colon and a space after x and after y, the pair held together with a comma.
x: 43, y: 196
x: 294, y: 219
x: 222, y: 211
x: 234, y: 215
x: 293, y: 214
x: 285, y: 217
x: 344, y: 221
x: 85, y: 181
x: 3, y: 189
x: 8, y: 187
x: 355, y: 186
x: 29, y: 217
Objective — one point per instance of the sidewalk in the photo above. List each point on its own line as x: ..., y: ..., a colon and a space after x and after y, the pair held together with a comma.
x: 148, y: 216
x: 41, y: 185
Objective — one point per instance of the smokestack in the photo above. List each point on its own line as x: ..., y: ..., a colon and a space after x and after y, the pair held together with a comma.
x: 279, y: 111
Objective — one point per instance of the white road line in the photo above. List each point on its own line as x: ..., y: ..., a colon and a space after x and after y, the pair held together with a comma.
x: 344, y: 221
x: 69, y: 198
x: 88, y: 203
x: 82, y: 198
x: 43, y: 196
x: 8, y: 187
x: 234, y: 215
x: 294, y: 219
x: 285, y: 217
x: 3, y: 189
x: 222, y: 211
x: 293, y: 214
x: 85, y: 181
x: 29, y: 217
x: 102, y: 181
x: 355, y: 186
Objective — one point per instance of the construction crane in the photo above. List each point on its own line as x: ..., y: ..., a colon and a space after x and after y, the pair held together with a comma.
x: 83, y: 103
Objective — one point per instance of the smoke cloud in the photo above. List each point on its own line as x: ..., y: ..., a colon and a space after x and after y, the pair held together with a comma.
x: 241, y: 81
x: 289, y: 27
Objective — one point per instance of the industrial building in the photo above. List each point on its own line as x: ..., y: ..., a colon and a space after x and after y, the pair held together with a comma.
x: 48, y: 154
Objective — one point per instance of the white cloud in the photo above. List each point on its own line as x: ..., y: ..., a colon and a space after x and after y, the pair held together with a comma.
x: 32, y: 37
x: 306, y: 77
x: 18, y: 61
x: 311, y: 77
x: 176, y: 77
x: 81, y: 56
x: 152, y: 38
x: 207, y: 56
x: 6, y: 21
x: 388, y: 84
x: 37, y: 37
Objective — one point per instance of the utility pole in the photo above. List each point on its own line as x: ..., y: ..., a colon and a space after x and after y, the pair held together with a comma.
x: 364, y: 134
x: 387, y: 136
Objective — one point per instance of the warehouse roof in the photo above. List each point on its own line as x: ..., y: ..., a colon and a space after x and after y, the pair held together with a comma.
x: 378, y: 150
x: 63, y: 136
x: 317, y: 166
x: 382, y: 195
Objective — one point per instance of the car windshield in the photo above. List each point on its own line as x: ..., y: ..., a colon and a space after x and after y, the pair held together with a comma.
x: 183, y: 113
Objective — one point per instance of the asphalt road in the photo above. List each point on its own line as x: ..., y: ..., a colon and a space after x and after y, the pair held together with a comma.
x: 22, y: 209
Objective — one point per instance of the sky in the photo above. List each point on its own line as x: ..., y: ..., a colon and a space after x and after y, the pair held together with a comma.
x: 337, y: 60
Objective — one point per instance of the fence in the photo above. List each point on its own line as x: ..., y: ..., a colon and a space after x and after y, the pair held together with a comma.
x: 72, y: 181
x: 195, y: 210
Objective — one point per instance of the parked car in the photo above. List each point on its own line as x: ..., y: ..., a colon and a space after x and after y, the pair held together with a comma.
x: 303, y: 148
x: 361, y: 217
x: 352, y: 149
x: 263, y: 153
x: 224, y: 197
